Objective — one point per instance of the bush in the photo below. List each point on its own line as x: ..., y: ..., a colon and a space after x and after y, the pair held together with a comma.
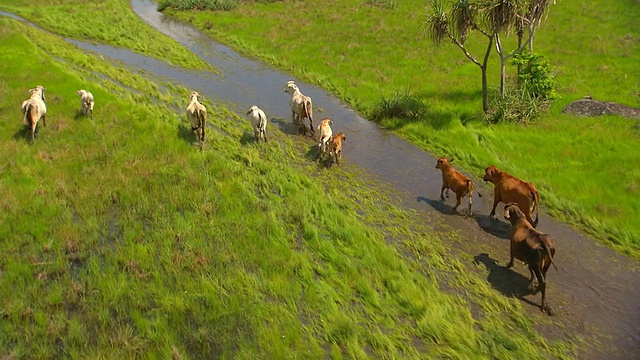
x: 526, y: 98
x: 535, y: 75
x: 404, y: 105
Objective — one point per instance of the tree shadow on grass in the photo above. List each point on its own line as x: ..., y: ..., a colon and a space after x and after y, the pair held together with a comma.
x: 508, y: 282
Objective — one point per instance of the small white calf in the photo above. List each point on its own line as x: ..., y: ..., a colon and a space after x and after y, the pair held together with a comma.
x: 324, y: 135
x: 86, y: 102
x: 197, y: 114
x: 259, y: 122
x: 34, y: 109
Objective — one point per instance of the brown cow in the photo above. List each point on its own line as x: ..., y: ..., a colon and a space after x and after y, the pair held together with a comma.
x: 531, y: 247
x: 336, y: 146
x: 456, y: 181
x: 510, y: 189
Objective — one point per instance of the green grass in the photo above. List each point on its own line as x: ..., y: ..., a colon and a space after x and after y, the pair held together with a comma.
x: 366, y: 53
x: 121, y: 239
x: 109, y: 21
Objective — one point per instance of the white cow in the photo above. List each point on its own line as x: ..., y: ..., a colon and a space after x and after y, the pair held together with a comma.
x: 259, y: 122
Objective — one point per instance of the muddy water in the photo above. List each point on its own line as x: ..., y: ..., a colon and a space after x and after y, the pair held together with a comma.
x: 594, y: 294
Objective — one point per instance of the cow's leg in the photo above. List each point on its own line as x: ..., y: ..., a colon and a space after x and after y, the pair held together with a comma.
x: 44, y: 120
x: 531, y: 284
x: 496, y: 200
x: 311, y: 126
x: 542, y: 287
x: 33, y: 130
x: 511, y: 250
x: 470, y: 203
x: 444, y: 186
x: 458, y: 198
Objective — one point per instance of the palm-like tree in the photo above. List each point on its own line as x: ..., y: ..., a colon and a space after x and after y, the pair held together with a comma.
x: 455, y: 26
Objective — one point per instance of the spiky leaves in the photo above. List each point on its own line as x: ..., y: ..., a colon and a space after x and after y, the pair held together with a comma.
x: 437, y: 22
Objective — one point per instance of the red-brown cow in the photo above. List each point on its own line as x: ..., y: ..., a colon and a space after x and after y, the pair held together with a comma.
x: 510, y: 189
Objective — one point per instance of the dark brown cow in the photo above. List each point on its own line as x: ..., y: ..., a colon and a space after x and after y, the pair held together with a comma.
x: 456, y: 181
x: 531, y: 247
x: 510, y: 189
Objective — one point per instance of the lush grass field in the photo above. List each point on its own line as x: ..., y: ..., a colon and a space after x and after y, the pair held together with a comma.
x: 586, y: 169
x: 120, y: 239
x: 108, y: 21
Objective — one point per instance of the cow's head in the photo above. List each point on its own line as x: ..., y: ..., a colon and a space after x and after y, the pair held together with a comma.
x: 252, y: 109
x: 513, y: 213
x: 194, y: 96
x: 442, y: 162
x: 290, y: 87
x: 490, y: 173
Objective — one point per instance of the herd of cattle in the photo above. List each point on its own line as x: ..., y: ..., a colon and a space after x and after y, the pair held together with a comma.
x: 528, y: 245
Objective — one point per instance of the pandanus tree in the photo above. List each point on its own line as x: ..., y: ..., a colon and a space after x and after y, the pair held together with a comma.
x: 455, y: 25
x: 505, y: 16
x: 490, y: 18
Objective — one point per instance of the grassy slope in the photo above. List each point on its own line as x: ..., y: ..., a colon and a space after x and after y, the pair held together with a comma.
x: 108, y: 21
x: 363, y: 53
x: 121, y: 239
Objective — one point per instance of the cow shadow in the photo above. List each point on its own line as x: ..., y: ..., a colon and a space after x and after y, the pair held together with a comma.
x: 323, y: 160
x: 442, y: 207
x: 491, y: 226
x: 247, y: 138
x: 185, y: 133
x: 78, y: 115
x: 508, y: 282
x: 23, y: 133
x: 287, y: 127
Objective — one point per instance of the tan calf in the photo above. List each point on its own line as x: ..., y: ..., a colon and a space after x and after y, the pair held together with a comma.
x: 456, y: 181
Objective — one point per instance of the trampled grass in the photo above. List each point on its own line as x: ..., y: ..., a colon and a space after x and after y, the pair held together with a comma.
x: 365, y: 53
x: 120, y: 239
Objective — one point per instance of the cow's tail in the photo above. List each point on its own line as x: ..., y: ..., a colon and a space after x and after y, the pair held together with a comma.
x: 308, y: 110
x: 25, y: 117
x: 470, y: 186
x: 202, y: 120
x: 548, y: 251
x: 535, y: 196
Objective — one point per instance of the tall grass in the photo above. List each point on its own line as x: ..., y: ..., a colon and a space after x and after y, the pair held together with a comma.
x: 121, y: 239
x: 366, y: 53
x: 109, y: 21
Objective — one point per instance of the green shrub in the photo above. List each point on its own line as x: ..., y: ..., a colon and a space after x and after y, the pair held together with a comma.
x: 529, y: 96
x: 535, y: 75
x: 403, y: 105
